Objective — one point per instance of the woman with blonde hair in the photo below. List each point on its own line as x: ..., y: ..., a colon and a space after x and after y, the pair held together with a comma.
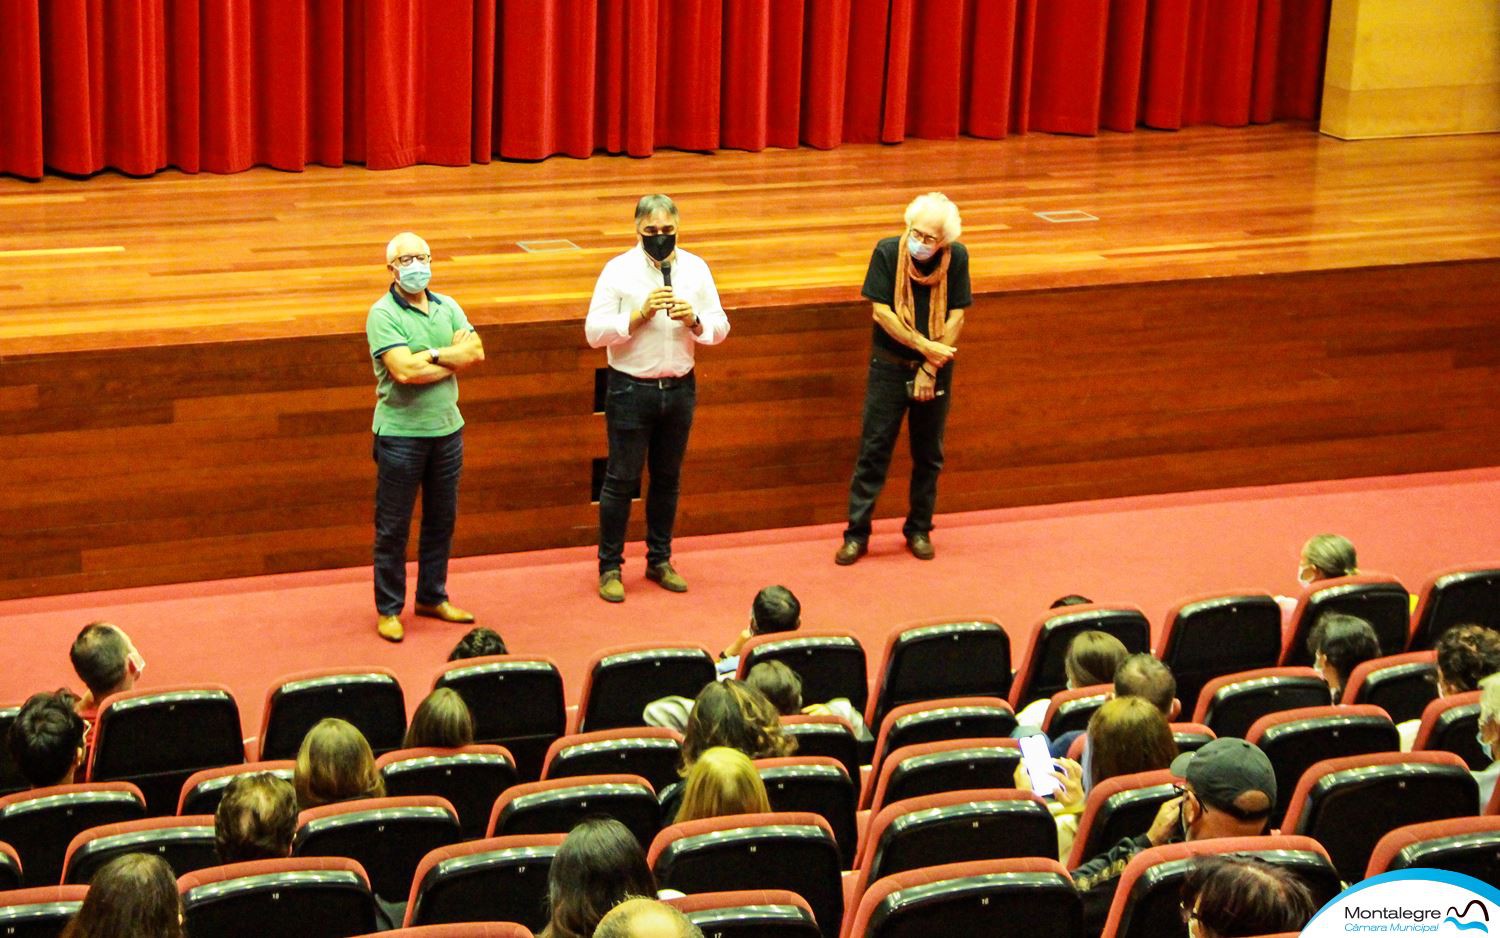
x: 442, y: 721
x: 722, y: 782
x: 335, y: 764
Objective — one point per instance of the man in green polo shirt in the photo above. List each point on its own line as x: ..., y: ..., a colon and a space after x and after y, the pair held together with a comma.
x: 419, y: 341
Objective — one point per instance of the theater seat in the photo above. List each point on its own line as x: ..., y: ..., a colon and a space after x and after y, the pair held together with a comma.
x: 946, y: 765
x: 1071, y: 710
x: 369, y: 698
x: 749, y: 913
x: 1147, y: 902
x: 10, y: 868
x: 1190, y: 737
x: 794, y: 851
x: 39, y: 912
x: 388, y: 837
x: 461, y: 930
x: 817, y: 785
x: 203, y: 790
x: 1231, y: 704
x: 1469, y: 845
x: 557, y: 805
x: 11, y: 779
x: 1450, y: 724
x: 469, y: 777
x: 829, y: 664
x: 939, y: 658
x: 825, y: 734
x: 1223, y: 633
x: 1456, y: 596
x: 1041, y: 671
x: 1348, y: 804
x: 516, y: 701
x: 621, y: 680
x: 1119, y: 807
x: 498, y: 879
x: 157, y: 738
x: 652, y: 752
x: 1379, y: 599
x: 310, y: 897
x: 929, y: 721
x: 186, y: 843
x: 39, y: 824
x: 1401, y: 685
x: 1295, y: 739
x: 1028, y: 896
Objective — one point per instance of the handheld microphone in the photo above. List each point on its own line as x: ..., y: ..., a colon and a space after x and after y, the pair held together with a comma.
x: 666, y: 274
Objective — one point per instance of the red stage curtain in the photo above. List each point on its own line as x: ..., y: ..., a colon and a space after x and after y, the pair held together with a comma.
x: 222, y: 85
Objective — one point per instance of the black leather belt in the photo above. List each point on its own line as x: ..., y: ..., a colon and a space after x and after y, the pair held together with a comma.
x: 890, y: 358
x: 664, y: 382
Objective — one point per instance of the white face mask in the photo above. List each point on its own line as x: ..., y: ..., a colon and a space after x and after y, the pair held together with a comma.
x: 1305, y: 574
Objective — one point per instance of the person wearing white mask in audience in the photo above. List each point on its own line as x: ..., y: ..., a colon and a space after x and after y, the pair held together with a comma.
x: 1489, y: 738
x: 1323, y: 557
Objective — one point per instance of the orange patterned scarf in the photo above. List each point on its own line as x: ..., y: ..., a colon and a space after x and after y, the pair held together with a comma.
x: 906, y: 272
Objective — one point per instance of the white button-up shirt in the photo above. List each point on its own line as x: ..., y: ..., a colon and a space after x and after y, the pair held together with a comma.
x: 661, y: 347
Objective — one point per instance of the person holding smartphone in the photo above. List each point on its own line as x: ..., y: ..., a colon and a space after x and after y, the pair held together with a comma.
x: 918, y: 285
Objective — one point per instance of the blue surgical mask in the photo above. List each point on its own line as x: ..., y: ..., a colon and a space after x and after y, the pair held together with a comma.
x: 919, y: 250
x: 414, y: 278
x: 1485, y: 747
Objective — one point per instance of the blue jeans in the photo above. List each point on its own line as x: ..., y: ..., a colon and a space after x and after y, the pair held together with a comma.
x: 644, y: 422
x: 406, y: 464
x: 886, y: 403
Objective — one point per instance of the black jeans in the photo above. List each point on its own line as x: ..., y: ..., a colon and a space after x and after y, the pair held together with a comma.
x: 405, y: 464
x: 886, y: 403
x: 644, y: 421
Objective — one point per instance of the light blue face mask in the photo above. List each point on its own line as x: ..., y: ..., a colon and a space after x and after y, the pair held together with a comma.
x: 414, y: 279
x: 1484, y: 747
x: 919, y: 250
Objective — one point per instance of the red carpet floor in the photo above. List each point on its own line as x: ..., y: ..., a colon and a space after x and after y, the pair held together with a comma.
x: 1152, y: 551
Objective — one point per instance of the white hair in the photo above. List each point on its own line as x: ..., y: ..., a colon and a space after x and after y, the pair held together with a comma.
x: 935, y: 203
x: 392, y: 247
x: 1489, y: 699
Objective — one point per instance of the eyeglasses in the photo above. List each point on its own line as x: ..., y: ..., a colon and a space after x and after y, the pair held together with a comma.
x: 406, y: 260
x: 924, y: 237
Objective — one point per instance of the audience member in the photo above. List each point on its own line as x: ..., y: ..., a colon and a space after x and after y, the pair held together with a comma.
x: 1072, y: 599
x: 107, y: 662
x: 133, y: 896
x: 1340, y: 643
x: 722, y: 782
x: 1326, y: 557
x: 1092, y: 658
x: 442, y: 721
x: 1235, y: 897
x: 1146, y: 676
x: 731, y: 713
x: 1466, y: 654
x: 783, y: 688
x: 1228, y: 790
x: 256, y: 819
x: 775, y: 609
x: 478, y: 643
x: 335, y: 764
x: 47, y: 739
x: 599, y: 864
x: 1489, y: 736
x: 646, y: 918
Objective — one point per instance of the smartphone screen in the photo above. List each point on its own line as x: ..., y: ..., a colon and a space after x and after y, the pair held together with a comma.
x: 1038, y: 761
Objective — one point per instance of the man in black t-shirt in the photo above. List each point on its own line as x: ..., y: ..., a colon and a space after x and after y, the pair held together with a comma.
x: 919, y: 286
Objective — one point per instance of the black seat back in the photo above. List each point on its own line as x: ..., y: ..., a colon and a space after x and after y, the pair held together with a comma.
x: 1073, y: 715
x: 1124, y: 814
x: 1221, y: 635
x: 1236, y: 707
x: 507, y: 884
x: 1401, y: 689
x: 185, y: 847
x: 950, y: 659
x: 469, y: 780
x: 1385, y: 605
x: 1475, y: 854
x: 825, y: 790
x: 830, y: 666
x: 372, y: 701
x: 156, y: 740
x: 11, y: 779
x: 205, y: 795
x: 44, y: 918
x: 1296, y: 745
x: 557, y: 811
x: 959, y: 721
x: 1463, y: 597
x: 622, y: 684
x: 834, y: 740
x: 40, y: 829
x: 388, y: 841
x: 1020, y: 903
x: 308, y: 904
x: 1456, y: 730
x: 975, y: 830
x: 761, y: 920
x: 952, y: 770
x: 516, y: 702
x: 654, y: 758
x: 1044, y: 673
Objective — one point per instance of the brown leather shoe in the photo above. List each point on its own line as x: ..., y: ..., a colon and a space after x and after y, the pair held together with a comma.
x: 851, y: 551
x: 446, y: 611
x: 920, y: 546
x: 611, y: 588
x: 390, y: 628
x: 668, y: 578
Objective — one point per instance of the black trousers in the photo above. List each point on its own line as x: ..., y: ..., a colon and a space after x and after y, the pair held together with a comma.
x: 645, y: 421
x: 886, y: 403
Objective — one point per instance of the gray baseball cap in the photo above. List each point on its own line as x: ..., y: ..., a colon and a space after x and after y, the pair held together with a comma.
x: 1225, y: 772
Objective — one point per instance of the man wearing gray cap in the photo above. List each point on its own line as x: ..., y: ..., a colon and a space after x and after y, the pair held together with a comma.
x: 1228, y: 790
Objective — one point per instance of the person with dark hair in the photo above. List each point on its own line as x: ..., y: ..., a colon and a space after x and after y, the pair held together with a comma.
x: 731, y: 713
x: 641, y: 917
x: 1339, y: 643
x: 1092, y: 658
x: 47, y: 739
x: 133, y: 896
x: 442, y: 721
x: 335, y: 764
x: 107, y: 662
x: 652, y: 307
x: 1146, y: 676
x: 1466, y: 655
x: 1237, y: 897
x: 256, y: 819
x: 1072, y: 599
x: 1488, y: 735
x: 478, y: 643
x: 599, y: 864
x: 780, y: 685
x: 775, y: 609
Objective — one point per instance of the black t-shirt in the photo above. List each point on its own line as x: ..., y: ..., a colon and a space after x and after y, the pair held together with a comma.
x: 880, y: 287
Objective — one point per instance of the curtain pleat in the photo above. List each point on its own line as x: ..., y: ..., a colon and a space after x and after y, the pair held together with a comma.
x: 223, y: 85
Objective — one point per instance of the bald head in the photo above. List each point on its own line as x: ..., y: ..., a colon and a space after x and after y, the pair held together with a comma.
x: 646, y: 918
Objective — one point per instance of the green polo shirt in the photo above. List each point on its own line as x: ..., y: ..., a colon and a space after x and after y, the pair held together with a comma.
x: 414, y: 409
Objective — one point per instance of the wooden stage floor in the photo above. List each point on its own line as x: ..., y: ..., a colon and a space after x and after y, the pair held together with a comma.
x: 114, y: 262
x: 185, y: 390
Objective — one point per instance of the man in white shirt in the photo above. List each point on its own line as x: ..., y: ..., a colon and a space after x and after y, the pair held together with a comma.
x: 652, y: 306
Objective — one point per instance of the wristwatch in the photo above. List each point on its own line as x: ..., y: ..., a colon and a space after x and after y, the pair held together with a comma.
x: 432, y: 355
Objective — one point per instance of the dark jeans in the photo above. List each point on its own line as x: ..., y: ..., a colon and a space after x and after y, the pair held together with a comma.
x: 885, y: 404
x: 407, y: 463
x: 644, y: 421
